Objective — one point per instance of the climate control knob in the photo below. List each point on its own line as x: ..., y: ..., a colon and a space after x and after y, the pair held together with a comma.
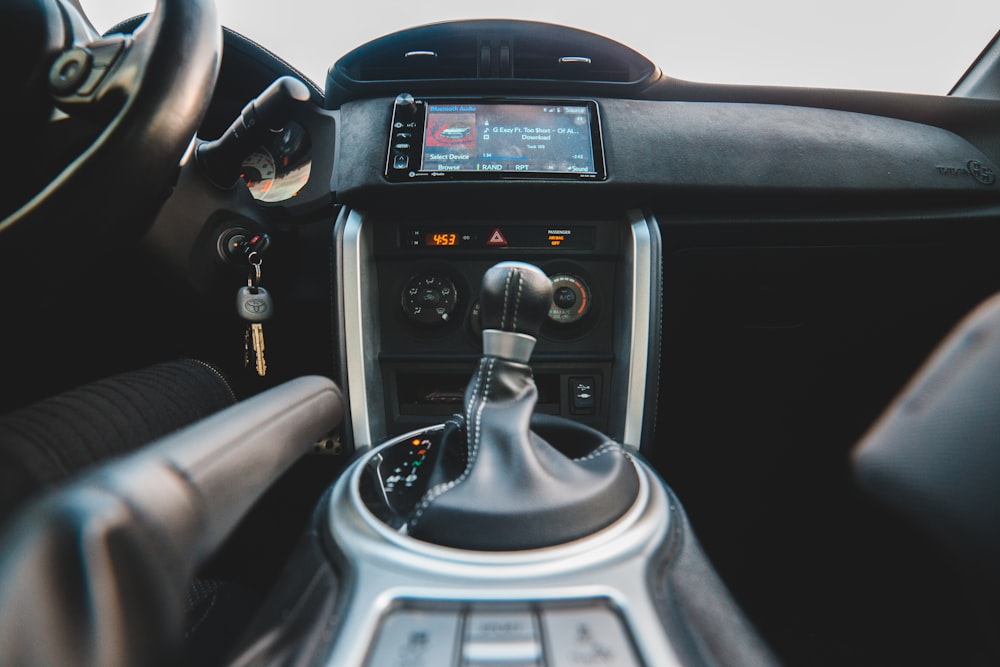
x: 429, y: 298
x: 570, y: 298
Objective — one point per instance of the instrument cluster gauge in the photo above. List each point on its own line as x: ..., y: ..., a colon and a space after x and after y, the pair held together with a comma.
x: 278, y: 169
x: 258, y: 171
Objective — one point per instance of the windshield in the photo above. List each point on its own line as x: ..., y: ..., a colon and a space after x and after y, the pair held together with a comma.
x: 893, y: 46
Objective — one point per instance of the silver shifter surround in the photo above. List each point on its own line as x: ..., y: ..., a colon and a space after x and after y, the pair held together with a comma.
x: 384, y: 569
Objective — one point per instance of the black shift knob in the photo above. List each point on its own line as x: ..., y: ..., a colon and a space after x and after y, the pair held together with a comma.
x: 515, y: 297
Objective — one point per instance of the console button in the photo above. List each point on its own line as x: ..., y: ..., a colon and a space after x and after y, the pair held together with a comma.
x: 564, y: 297
x: 586, y: 637
x: 570, y: 299
x: 400, y: 161
x: 410, y: 638
x: 501, y: 638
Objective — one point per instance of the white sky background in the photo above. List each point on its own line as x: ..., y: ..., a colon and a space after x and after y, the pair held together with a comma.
x: 909, y: 46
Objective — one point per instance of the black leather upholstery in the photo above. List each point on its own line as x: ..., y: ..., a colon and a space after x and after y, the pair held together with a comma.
x: 515, y: 297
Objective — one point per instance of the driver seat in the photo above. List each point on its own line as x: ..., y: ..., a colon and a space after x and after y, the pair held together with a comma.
x: 45, y: 443
x: 118, y: 492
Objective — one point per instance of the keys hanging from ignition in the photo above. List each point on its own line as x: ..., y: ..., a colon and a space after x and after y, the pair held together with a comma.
x: 254, y: 304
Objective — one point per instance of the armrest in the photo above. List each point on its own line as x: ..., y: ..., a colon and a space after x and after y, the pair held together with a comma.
x: 96, y: 573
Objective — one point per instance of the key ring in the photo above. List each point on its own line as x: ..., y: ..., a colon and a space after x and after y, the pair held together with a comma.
x: 255, y: 260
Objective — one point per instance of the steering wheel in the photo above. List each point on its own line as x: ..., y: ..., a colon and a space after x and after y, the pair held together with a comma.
x: 142, y: 96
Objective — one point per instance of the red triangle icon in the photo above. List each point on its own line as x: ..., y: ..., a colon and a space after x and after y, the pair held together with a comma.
x: 497, y: 238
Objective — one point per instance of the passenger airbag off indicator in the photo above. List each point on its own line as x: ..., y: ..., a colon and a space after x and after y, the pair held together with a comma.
x: 557, y: 237
x: 497, y: 239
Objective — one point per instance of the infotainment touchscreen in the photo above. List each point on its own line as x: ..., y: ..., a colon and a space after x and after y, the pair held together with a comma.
x: 507, y: 137
x: 471, y: 139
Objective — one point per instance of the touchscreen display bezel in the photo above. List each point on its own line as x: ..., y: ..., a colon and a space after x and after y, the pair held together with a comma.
x: 416, y: 139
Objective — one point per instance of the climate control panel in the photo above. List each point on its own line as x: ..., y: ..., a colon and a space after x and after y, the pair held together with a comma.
x: 429, y: 298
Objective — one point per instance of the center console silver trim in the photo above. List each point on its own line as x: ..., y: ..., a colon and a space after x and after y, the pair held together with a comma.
x: 638, y: 362
x: 383, y: 568
x: 356, y: 258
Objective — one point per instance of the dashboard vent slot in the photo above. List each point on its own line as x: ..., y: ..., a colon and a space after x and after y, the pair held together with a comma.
x: 442, y: 59
x: 569, y: 62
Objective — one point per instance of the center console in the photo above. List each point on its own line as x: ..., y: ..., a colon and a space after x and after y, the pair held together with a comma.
x: 411, y: 316
x: 492, y: 581
x: 502, y: 536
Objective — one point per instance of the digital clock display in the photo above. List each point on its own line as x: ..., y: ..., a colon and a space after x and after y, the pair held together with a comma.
x: 498, y: 236
x: 441, y: 239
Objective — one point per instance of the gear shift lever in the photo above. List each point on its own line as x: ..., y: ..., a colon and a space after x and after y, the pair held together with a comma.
x: 504, y: 486
x: 515, y: 299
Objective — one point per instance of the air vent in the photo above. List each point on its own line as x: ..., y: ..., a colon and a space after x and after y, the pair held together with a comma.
x: 572, y: 65
x: 566, y: 55
x: 432, y: 59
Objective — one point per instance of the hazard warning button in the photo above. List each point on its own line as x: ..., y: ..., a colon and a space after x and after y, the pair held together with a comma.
x: 496, y: 238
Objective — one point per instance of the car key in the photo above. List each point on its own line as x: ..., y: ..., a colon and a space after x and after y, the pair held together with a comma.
x: 254, y: 304
x: 255, y: 308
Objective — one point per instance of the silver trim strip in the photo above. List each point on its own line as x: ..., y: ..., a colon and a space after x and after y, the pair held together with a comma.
x: 575, y: 59
x: 508, y: 345
x: 356, y: 255
x: 383, y: 567
x: 638, y: 364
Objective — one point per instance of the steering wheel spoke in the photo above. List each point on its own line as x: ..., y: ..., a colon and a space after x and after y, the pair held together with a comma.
x: 86, y: 79
x: 149, y: 90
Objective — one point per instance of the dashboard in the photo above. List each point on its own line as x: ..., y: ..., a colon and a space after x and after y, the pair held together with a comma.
x: 726, y: 263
